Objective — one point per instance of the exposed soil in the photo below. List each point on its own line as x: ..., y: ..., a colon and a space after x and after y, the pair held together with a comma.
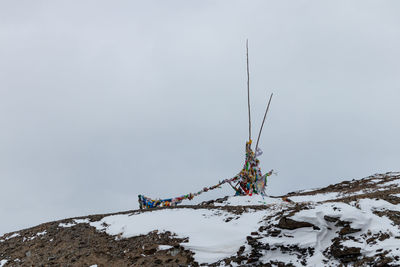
x: 82, y: 245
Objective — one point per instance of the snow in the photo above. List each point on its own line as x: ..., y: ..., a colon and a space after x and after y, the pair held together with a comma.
x: 374, y: 181
x: 210, y: 237
x: 41, y: 233
x: 392, y: 174
x: 94, y: 265
x: 377, y: 204
x: 360, y: 218
x: 3, y: 262
x: 77, y: 221
x: 277, y: 255
x: 215, y: 234
x: 337, y: 195
x: 316, y: 197
x: 303, y: 238
x: 73, y: 223
x: 249, y: 201
x: 393, y: 182
x: 33, y: 237
x: 11, y: 236
x: 65, y: 225
x: 164, y: 247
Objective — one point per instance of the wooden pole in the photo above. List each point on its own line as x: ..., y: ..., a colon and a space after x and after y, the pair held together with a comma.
x: 248, y: 86
x: 265, y: 115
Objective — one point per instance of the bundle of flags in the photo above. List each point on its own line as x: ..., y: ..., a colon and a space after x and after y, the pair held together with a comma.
x: 247, y: 182
x: 250, y: 179
x: 145, y: 202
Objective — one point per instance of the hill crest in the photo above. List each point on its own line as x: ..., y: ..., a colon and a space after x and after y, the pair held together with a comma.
x: 353, y: 223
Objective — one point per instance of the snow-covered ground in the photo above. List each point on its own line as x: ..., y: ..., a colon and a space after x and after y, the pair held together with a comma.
x: 360, y: 216
x: 298, y: 230
x: 316, y: 197
x: 254, y: 200
x: 213, y: 234
x: 378, y: 180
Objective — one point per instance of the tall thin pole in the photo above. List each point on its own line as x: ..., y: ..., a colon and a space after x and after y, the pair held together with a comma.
x: 248, y: 85
x: 265, y: 115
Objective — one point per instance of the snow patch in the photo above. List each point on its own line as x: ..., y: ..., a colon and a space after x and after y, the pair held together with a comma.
x: 77, y: 221
x: 164, y: 247
x: 9, y: 237
x: 377, y: 204
x: 41, y: 233
x: 316, y: 197
x: 361, y: 218
x: 3, y: 262
x: 374, y: 181
x: 33, y: 237
x: 249, y: 201
x: 66, y: 225
x: 73, y: 223
x: 393, y: 182
x: 277, y: 255
x: 213, y: 234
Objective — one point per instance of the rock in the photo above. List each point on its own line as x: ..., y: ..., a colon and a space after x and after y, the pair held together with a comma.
x: 345, y: 254
x: 287, y: 223
x: 330, y: 219
x: 348, y: 230
x: 51, y: 258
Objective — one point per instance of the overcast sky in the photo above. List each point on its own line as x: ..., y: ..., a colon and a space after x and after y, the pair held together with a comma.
x: 103, y: 100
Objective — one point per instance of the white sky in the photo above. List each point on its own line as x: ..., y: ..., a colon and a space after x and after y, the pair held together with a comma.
x: 103, y: 100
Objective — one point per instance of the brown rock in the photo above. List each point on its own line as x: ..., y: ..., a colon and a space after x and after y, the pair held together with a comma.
x: 287, y: 223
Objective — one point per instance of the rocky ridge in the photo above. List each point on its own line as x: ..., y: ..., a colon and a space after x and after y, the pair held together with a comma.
x: 353, y: 223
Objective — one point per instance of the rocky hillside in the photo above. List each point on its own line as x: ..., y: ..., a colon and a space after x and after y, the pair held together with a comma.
x: 353, y: 223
